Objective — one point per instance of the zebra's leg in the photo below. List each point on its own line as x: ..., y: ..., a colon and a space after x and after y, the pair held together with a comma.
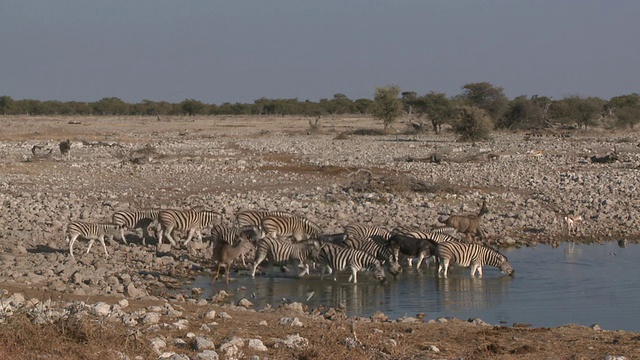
x: 191, y: 233
x: 167, y: 234
x: 259, y: 258
x: 90, y: 245
x: 354, y: 275
x: 71, y: 241
x: 124, y: 240
x: 410, y: 261
x: 443, y: 267
x: 420, y: 257
x: 145, y: 234
x: 104, y: 246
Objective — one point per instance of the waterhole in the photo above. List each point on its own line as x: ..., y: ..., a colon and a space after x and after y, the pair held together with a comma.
x: 571, y: 284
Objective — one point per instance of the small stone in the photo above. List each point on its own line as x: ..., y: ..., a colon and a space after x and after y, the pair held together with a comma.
x: 434, y: 348
x: 207, y: 355
x: 256, y: 344
x: 379, y: 316
x: 596, y: 327
x: 245, y: 303
x: 210, y: 314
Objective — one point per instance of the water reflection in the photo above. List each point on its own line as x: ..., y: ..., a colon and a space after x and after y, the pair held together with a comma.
x: 466, y: 293
x: 574, y: 283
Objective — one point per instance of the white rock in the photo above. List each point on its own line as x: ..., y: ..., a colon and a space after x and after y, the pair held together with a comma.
x: 256, y: 344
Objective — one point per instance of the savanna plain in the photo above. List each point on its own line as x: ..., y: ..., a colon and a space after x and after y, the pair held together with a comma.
x: 345, y: 170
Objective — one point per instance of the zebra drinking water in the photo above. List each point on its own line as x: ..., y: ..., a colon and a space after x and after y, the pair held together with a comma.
x: 90, y: 231
x: 476, y: 256
x: 129, y: 220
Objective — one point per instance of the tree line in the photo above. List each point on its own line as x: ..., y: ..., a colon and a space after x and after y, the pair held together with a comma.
x: 478, y: 106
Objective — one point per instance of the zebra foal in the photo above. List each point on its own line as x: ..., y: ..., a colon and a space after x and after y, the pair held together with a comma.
x: 335, y: 258
x: 296, y: 227
x: 129, y: 220
x: 91, y: 232
x: 281, y: 252
x: 474, y: 255
x: 193, y: 221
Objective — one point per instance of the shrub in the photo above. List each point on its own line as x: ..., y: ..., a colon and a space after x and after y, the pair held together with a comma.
x: 473, y: 124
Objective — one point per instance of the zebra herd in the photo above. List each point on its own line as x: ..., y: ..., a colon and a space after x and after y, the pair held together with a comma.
x: 282, y: 238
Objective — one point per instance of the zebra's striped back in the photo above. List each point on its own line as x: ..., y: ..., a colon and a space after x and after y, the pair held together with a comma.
x: 474, y: 255
x: 437, y: 234
x: 91, y: 232
x: 130, y: 219
x: 447, y: 230
x: 280, y: 252
x: 190, y: 220
x: 358, y: 232
x: 290, y: 226
x: 338, y: 259
x: 254, y: 217
x: 372, y: 247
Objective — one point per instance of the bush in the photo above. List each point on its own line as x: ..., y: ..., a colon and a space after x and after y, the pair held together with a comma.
x: 473, y: 124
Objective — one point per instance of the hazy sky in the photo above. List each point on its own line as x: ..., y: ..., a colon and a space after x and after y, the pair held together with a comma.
x: 240, y: 51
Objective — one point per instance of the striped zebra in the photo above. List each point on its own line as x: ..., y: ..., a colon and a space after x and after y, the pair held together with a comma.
x: 474, y: 255
x: 91, y: 232
x: 129, y: 220
x: 280, y: 252
x: 299, y: 228
x: 336, y: 258
x: 379, y: 250
x: 360, y: 232
x: 254, y: 217
x: 193, y: 221
x: 232, y: 235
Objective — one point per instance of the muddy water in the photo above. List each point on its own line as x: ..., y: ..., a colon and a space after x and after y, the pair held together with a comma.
x: 580, y: 284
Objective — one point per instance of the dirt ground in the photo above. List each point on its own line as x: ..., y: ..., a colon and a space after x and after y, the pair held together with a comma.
x: 374, y: 340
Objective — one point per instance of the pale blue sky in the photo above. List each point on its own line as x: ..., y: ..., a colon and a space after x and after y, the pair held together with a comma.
x: 239, y: 51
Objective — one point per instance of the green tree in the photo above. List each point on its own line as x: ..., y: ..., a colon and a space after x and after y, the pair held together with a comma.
x: 387, y: 106
x: 584, y: 112
x: 192, y: 107
x: 526, y: 113
x: 110, y: 106
x: 626, y: 109
x: 437, y: 107
x: 473, y: 124
x: 6, y: 105
x: 487, y: 97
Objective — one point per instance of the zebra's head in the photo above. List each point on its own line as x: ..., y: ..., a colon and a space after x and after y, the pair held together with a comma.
x: 378, y: 272
x: 506, y: 268
x: 394, y: 267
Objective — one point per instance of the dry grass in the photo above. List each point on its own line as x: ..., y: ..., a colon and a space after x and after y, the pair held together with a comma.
x: 69, y: 339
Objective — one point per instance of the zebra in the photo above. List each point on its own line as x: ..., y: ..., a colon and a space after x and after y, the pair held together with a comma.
x: 91, y: 232
x: 379, y: 250
x: 335, y: 258
x: 192, y: 220
x: 232, y: 234
x: 254, y: 217
x: 299, y: 228
x: 65, y: 148
x: 474, y: 255
x: 361, y: 232
x: 282, y: 251
x: 128, y: 219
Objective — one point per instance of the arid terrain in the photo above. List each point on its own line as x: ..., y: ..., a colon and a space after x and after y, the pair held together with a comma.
x: 346, y: 170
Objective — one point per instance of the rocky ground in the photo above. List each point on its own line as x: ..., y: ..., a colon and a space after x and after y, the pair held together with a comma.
x: 333, y: 175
